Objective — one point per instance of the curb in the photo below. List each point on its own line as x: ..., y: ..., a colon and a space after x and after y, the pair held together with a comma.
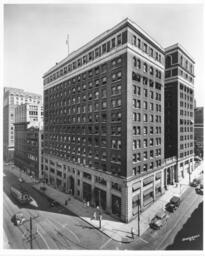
x: 100, y: 230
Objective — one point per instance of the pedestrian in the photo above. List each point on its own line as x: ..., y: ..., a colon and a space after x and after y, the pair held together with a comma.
x: 88, y: 203
x: 132, y: 232
x: 94, y: 215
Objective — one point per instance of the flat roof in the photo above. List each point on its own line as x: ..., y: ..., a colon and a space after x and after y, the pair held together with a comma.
x: 177, y: 45
x: 100, y: 37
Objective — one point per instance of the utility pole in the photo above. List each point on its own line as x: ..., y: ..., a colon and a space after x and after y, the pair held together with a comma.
x: 31, y: 234
x: 138, y: 203
x: 30, y: 237
x: 67, y: 42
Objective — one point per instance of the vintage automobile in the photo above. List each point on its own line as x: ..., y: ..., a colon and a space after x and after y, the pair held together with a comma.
x: 195, y: 183
x: 173, y: 204
x: 159, y: 220
x: 200, y: 189
x: 18, y: 218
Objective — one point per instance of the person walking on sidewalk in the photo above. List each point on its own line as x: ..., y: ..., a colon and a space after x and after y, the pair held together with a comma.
x: 94, y: 216
x: 132, y: 232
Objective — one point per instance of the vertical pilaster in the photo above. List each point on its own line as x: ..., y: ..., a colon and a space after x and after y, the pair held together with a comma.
x: 81, y: 185
x: 126, y: 206
x: 162, y: 181
x: 92, y: 190
x: 75, y: 184
x: 141, y: 194
x: 108, y: 197
x: 154, y: 192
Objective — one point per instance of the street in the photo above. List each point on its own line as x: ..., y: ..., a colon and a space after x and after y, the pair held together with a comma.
x: 58, y: 228
x: 53, y: 227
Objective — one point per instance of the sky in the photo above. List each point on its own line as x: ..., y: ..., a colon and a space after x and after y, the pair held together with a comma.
x: 35, y: 35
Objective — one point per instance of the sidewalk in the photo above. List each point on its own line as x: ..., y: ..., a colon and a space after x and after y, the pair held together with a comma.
x: 113, y: 228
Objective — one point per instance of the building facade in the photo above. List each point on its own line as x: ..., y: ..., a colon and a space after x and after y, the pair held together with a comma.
x: 28, y: 134
x: 179, y: 111
x: 199, y: 131
x: 104, y: 121
x: 12, y: 98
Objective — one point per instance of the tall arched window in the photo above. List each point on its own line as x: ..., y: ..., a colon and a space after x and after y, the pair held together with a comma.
x: 138, y: 64
x: 134, y: 61
x: 168, y: 61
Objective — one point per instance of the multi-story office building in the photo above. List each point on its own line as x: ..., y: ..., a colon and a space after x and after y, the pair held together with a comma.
x: 12, y: 98
x: 28, y: 129
x: 179, y: 111
x: 104, y: 121
x: 199, y: 131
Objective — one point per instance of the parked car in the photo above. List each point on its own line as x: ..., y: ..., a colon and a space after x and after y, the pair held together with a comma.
x: 18, y: 219
x: 159, y: 220
x: 54, y: 203
x: 195, y: 183
x: 200, y: 189
x: 173, y: 204
x: 20, y: 180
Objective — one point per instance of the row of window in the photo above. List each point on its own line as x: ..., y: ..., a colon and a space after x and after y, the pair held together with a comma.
x: 137, y: 157
x: 178, y: 71
x: 64, y: 133
x: 90, y: 118
x: 137, y: 144
x: 187, y: 153
x: 86, y: 58
x: 137, y: 118
x: 138, y: 42
x: 145, y: 167
x: 186, y: 145
x: 137, y: 64
x: 137, y: 104
x: 88, y: 162
x: 137, y: 130
x: 138, y: 78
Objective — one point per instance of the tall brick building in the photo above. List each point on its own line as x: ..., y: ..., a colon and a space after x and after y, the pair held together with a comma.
x: 179, y: 110
x: 104, y: 122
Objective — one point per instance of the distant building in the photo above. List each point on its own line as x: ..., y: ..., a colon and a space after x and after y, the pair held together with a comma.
x: 199, y: 131
x: 28, y: 135
x: 12, y: 98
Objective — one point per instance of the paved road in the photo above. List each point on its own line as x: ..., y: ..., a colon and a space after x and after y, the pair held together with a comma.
x: 53, y: 227
x: 160, y: 239
x: 60, y: 229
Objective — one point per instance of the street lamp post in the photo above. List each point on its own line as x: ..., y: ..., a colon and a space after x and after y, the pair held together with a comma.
x: 138, y: 203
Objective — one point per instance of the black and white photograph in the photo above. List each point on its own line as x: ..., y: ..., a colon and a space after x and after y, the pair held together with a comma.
x: 102, y: 127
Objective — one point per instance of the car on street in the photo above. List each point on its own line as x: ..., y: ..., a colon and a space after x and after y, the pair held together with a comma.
x: 54, y: 203
x: 159, y: 220
x: 195, y: 183
x: 200, y: 189
x: 18, y: 218
x: 173, y: 204
x: 20, y: 180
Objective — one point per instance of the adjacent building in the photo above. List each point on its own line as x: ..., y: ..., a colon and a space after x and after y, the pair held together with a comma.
x: 12, y: 98
x: 199, y: 131
x: 104, y: 121
x: 28, y: 138
x: 179, y: 112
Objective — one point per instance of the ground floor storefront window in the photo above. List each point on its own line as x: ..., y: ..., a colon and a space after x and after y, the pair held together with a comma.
x: 116, y: 205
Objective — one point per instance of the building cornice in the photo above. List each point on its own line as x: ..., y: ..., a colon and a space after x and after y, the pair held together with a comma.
x: 178, y: 46
x: 123, y: 24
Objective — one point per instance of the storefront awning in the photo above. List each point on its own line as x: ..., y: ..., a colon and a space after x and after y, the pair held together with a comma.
x: 147, y: 191
x: 148, y: 180
x: 136, y: 185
